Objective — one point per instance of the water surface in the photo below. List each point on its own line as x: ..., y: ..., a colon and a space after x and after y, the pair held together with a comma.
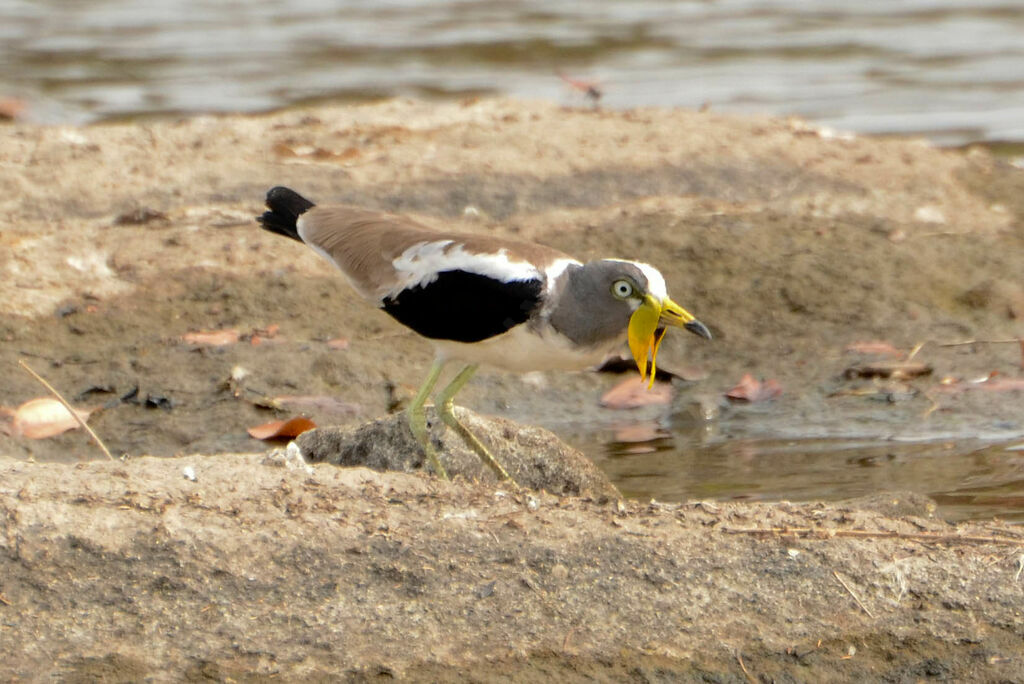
x: 969, y: 479
x: 950, y: 69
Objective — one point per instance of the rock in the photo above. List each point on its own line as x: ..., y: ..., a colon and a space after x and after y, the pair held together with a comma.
x: 536, y: 458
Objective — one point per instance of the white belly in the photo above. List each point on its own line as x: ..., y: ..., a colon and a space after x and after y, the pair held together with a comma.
x: 522, y: 350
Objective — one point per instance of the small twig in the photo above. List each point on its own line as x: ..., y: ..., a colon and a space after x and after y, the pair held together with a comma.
x: 913, y: 352
x: 71, y: 410
x: 1014, y: 340
x: 847, y: 587
x: 3, y: 600
x: 565, y: 641
x: 870, y: 534
x: 750, y: 677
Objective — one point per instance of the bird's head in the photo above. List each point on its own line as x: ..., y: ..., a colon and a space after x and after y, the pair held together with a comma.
x: 610, y: 295
x: 653, y: 313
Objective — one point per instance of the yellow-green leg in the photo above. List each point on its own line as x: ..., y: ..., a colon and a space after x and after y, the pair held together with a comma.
x: 445, y: 403
x: 418, y: 419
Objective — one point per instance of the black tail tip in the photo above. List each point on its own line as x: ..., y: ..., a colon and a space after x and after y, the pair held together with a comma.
x: 286, y: 206
x: 287, y: 201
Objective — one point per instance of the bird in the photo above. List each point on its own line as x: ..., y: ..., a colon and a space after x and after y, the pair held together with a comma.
x: 485, y: 299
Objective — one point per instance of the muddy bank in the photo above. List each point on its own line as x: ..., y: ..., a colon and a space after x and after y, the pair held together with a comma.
x: 126, y: 571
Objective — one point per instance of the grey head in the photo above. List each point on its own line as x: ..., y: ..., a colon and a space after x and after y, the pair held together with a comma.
x: 593, y: 302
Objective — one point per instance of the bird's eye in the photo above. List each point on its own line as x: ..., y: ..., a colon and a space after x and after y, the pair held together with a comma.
x: 622, y: 289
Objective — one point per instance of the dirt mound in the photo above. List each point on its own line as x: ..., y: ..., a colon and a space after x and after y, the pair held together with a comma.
x: 534, y: 457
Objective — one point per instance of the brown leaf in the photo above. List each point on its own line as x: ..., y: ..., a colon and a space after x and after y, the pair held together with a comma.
x: 873, y: 347
x: 633, y: 393
x: 751, y: 389
x: 212, y: 338
x: 282, y: 429
x: 44, y: 417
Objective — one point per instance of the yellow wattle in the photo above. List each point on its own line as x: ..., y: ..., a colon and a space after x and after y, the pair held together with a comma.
x: 641, y: 335
x: 654, y: 355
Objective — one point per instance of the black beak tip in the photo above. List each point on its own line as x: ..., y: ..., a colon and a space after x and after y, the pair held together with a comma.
x: 698, y: 328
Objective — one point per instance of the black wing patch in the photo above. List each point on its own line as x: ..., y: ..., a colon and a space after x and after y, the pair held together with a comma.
x: 464, y: 306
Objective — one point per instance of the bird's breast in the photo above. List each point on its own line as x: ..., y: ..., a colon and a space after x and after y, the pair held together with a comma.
x: 524, y: 348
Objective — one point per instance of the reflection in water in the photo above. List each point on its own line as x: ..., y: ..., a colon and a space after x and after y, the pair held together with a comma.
x: 950, y: 68
x: 967, y: 479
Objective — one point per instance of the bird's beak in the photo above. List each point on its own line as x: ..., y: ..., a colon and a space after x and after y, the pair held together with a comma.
x: 647, y: 329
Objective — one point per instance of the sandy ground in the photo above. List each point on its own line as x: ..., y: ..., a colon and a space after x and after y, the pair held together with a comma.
x: 121, y: 572
x: 790, y: 243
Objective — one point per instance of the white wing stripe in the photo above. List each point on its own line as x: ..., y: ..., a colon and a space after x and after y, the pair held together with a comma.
x: 420, y: 264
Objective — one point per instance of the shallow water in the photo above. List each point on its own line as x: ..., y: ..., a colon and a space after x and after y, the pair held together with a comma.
x: 969, y: 479
x: 950, y: 69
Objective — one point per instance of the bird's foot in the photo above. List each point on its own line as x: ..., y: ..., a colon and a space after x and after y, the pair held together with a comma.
x: 448, y: 416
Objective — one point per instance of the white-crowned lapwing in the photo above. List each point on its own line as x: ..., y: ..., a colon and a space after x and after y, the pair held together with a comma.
x: 483, y: 299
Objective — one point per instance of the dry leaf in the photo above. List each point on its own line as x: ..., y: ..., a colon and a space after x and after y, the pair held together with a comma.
x: 751, y: 389
x: 337, y: 343
x: 633, y: 393
x: 212, y: 338
x: 282, y: 429
x: 44, y: 417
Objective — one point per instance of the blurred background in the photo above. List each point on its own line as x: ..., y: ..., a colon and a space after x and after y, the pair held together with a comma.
x: 951, y: 70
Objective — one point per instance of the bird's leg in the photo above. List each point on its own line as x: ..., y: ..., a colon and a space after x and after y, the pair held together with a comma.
x: 418, y: 419
x: 445, y: 404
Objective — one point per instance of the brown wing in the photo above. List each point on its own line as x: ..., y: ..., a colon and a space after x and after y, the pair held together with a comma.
x: 364, y: 245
